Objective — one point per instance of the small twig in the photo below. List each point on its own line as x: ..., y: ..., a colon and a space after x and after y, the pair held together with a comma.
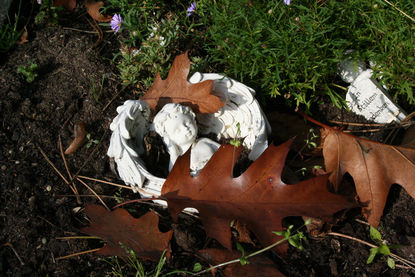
x: 87, y: 32
x: 396, y: 257
x: 351, y: 238
x: 78, y: 200
x: 366, y: 124
x: 78, y: 237
x: 57, y: 171
x: 78, y: 254
x: 14, y: 251
x: 105, y: 182
x: 239, y: 259
x: 86, y: 195
x: 363, y: 222
x: 98, y: 30
x: 99, y: 198
x: 63, y: 158
x: 134, y: 201
x: 81, y: 31
x: 372, y: 130
x: 392, y: 135
x: 118, y: 185
x: 409, y: 116
x: 399, y: 10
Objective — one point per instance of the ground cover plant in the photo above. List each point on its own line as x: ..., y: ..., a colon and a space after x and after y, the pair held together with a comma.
x: 80, y: 82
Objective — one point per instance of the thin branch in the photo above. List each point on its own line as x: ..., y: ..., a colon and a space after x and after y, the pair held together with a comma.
x: 399, y: 10
x: 63, y: 158
x: 78, y: 237
x: 87, y: 32
x: 134, y: 201
x: 239, y: 259
x: 57, y: 171
x: 86, y: 195
x: 14, y: 251
x: 363, y: 222
x: 99, y: 198
x: 396, y: 257
x: 78, y: 254
x: 98, y: 29
x: 105, y: 182
x: 366, y: 124
x: 78, y: 200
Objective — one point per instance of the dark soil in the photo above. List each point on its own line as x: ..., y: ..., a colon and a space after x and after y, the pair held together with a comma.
x: 37, y: 207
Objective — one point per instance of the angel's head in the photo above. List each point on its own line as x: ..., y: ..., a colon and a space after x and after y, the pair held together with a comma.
x: 176, y: 124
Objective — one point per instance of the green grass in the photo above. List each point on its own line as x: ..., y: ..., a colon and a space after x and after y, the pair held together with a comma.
x: 294, y: 50
x: 283, y: 51
x: 9, y: 32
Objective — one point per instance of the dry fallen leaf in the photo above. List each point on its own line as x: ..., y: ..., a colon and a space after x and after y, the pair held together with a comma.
x: 259, y: 265
x: 119, y: 228
x: 23, y: 37
x: 93, y: 7
x: 257, y: 198
x: 80, y: 133
x: 176, y: 89
x: 373, y: 166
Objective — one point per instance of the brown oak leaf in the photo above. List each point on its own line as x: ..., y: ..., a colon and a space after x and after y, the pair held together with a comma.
x: 176, y: 89
x: 373, y: 166
x: 119, y: 229
x: 258, y: 266
x: 93, y: 7
x: 257, y: 198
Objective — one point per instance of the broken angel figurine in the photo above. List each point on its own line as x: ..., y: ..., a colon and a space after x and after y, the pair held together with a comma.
x: 182, y: 129
x: 176, y: 124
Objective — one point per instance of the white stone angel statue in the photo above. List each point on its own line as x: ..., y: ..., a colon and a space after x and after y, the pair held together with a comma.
x: 179, y: 128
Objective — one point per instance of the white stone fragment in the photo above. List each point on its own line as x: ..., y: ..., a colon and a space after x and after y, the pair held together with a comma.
x: 366, y: 97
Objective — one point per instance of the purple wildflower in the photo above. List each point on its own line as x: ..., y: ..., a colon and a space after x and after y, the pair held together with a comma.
x: 287, y: 2
x: 116, y: 22
x: 191, y: 9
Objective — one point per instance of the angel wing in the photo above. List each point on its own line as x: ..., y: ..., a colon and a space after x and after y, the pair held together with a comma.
x: 126, y: 145
x: 240, y: 107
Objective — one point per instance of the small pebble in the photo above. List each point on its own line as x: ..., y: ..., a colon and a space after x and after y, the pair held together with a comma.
x: 32, y: 202
x: 3, y: 167
x: 44, y: 240
x: 48, y: 188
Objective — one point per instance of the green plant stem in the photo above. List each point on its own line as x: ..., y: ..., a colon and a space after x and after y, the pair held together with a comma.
x: 408, y: 263
x: 246, y: 257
